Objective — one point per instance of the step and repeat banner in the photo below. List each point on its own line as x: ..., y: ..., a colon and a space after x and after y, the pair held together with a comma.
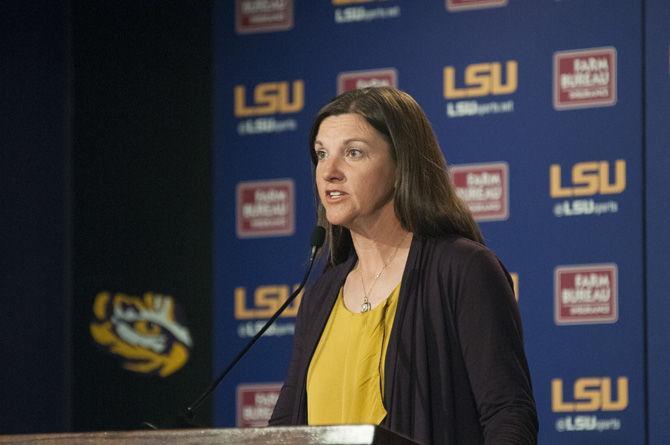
x: 538, y: 108
x: 657, y: 100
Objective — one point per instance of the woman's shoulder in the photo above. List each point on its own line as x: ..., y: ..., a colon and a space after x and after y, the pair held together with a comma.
x: 464, y: 263
x: 457, y: 254
x: 455, y: 247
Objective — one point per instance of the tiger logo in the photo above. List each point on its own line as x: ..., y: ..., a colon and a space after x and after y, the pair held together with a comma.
x: 142, y: 331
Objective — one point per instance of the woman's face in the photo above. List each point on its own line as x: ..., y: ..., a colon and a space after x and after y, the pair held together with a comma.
x: 355, y: 172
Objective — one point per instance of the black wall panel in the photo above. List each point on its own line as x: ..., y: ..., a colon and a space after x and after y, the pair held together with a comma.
x: 141, y: 207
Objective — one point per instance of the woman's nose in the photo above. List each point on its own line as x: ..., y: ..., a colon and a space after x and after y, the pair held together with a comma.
x: 330, y: 169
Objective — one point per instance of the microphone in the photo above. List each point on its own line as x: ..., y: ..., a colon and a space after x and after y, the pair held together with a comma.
x: 316, y: 241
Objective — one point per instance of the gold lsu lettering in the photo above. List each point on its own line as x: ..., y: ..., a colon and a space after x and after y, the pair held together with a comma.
x: 270, y: 98
x: 589, y: 178
x: 267, y: 299
x: 481, y: 79
x: 590, y: 394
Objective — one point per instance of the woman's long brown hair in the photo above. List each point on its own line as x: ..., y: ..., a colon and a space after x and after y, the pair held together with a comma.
x: 425, y: 201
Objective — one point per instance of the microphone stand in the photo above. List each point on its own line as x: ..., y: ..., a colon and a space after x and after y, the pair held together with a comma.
x: 318, y: 235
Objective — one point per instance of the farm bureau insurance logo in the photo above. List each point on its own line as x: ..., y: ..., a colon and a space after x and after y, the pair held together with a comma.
x: 267, y: 100
x: 484, y: 188
x: 587, y: 179
x: 465, y: 5
x: 363, y: 12
x: 463, y: 91
x: 355, y: 80
x: 586, y: 294
x: 590, y: 397
x: 255, y: 403
x: 585, y: 78
x: 265, y: 208
x: 145, y: 332
x: 253, y: 16
x: 253, y: 311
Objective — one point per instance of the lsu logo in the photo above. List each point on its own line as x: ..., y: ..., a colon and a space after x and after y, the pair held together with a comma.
x: 482, y: 79
x: 588, y: 178
x: 589, y: 394
x: 144, y: 332
x: 267, y: 299
x: 270, y: 98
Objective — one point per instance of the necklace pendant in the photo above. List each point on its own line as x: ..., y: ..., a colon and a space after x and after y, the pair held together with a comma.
x: 366, y: 306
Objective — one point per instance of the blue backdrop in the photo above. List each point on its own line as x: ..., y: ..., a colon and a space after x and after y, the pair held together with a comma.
x: 538, y: 106
x: 657, y: 132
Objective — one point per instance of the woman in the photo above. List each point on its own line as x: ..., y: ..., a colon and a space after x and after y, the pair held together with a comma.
x: 413, y: 324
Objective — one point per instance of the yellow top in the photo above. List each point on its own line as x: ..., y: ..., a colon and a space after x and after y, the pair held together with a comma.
x: 345, y: 380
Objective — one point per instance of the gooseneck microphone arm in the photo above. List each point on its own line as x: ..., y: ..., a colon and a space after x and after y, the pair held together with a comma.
x: 318, y: 236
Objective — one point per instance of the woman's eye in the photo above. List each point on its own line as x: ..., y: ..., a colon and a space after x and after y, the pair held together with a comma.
x: 320, y: 154
x: 354, y: 153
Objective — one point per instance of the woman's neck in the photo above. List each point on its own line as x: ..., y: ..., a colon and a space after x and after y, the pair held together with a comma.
x: 378, y: 246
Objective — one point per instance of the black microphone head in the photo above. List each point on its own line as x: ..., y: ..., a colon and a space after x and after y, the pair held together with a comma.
x: 318, y: 236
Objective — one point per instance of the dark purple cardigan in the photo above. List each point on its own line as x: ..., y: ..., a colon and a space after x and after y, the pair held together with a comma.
x: 456, y: 372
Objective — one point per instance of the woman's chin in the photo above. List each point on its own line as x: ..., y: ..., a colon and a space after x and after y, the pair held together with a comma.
x: 338, y: 220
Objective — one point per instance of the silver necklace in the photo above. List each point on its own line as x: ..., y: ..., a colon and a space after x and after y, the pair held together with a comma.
x: 366, y: 306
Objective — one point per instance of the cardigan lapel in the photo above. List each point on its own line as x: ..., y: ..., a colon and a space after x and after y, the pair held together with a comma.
x: 390, y: 366
x: 317, y: 324
x: 325, y: 307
